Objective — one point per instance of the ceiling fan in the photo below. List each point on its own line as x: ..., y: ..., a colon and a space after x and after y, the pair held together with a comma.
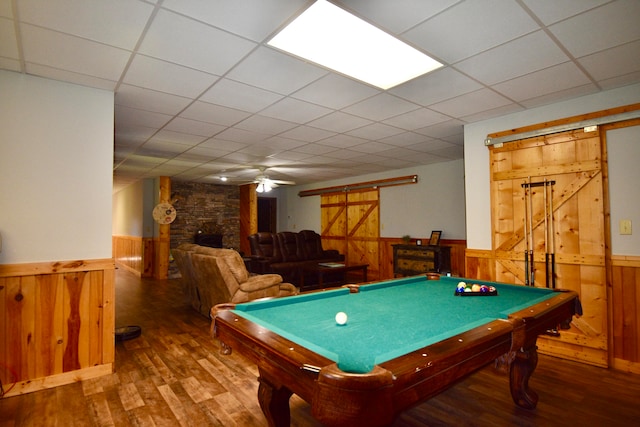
x: 266, y: 184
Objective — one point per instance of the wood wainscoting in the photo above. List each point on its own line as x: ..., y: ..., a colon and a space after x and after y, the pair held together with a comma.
x: 624, y: 303
x: 624, y: 310
x: 57, y: 323
x: 135, y: 254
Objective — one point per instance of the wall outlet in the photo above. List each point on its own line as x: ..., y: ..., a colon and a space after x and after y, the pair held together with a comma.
x: 625, y: 226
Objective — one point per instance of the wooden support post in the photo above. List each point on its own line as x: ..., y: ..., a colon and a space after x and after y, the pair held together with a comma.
x: 161, y: 269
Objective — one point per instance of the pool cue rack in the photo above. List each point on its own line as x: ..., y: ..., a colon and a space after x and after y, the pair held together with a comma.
x: 549, y: 234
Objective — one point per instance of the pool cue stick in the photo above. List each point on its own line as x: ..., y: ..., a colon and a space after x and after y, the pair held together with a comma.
x: 546, y: 235
x: 526, y: 241
x: 531, y: 241
x: 553, y: 240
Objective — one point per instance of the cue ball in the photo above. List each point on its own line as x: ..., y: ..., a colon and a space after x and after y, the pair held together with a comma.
x: 341, y: 318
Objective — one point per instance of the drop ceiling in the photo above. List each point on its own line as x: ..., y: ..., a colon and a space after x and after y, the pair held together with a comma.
x: 199, y: 94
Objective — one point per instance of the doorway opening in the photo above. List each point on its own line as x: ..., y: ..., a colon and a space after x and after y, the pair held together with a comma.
x: 267, y: 214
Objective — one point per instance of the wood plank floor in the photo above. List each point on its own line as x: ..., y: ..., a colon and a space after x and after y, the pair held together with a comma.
x: 173, y: 375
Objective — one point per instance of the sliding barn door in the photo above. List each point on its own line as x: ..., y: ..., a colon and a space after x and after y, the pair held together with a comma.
x: 351, y: 224
x: 549, y: 229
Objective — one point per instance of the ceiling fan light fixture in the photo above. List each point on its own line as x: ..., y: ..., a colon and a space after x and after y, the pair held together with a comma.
x: 260, y: 188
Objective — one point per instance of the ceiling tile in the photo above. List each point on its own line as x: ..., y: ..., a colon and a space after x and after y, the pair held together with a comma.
x: 335, y: 91
x: 249, y: 18
x: 572, y: 92
x: 220, y: 144
x: 398, y: 15
x: 404, y: 139
x: 184, y: 41
x: 491, y: 22
x: 127, y: 116
x: 550, y: 12
x: 416, y: 119
x: 240, y: 96
x: 437, y: 86
x: 281, y: 143
x: 613, y: 62
x: 307, y: 134
x: 608, y: 26
x: 381, y: 107
x: 296, y: 111
x: 543, y: 82
x: 205, y: 153
x: 266, y: 125
x: 444, y: 129
x: 216, y: 114
x: 117, y: 23
x: 177, y: 138
x: 375, y: 131
x: 371, y: 147
x: 240, y: 135
x: 522, y: 56
x: 195, y: 127
x: 339, y: 122
x: 275, y: 71
x: 471, y: 103
x: 151, y: 73
x: 70, y: 76
x: 70, y: 53
x: 150, y: 100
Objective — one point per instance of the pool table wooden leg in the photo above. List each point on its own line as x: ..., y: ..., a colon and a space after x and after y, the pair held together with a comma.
x: 274, y: 402
x: 522, y: 367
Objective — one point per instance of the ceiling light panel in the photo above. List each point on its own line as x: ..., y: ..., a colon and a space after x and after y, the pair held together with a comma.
x: 336, y: 39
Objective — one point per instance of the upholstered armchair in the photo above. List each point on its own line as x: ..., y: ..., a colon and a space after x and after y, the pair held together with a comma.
x: 182, y: 256
x: 221, y: 276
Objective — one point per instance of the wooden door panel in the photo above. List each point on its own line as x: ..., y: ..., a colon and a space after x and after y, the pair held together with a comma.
x: 333, y: 221
x: 572, y: 161
x: 351, y: 224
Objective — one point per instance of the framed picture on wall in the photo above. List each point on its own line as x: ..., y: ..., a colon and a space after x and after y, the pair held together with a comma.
x: 435, y: 238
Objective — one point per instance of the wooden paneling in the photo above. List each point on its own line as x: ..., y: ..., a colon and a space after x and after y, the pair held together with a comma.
x: 128, y: 253
x: 625, y: 309
x: 56, y: 323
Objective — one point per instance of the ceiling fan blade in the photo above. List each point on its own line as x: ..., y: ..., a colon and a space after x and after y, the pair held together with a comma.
x: 281, y: 182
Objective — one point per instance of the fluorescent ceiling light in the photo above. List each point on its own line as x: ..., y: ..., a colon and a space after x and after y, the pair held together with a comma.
x: 336, y: 39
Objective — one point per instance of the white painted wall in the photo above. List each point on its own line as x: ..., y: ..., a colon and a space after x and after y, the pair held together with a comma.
x: 436, y: 202
x: 623, y: 149
x: 127, y: 210
x: 478, y: 198
x: 56, y: 165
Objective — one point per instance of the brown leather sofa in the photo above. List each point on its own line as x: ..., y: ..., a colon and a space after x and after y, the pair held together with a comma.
x: 213, y: 276
x: 287, y: 253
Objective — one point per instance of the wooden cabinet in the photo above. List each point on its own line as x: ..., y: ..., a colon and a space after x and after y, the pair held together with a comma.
x: 409, y: 260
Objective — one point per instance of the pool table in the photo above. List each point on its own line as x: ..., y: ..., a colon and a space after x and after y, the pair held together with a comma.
x: 405, y: 340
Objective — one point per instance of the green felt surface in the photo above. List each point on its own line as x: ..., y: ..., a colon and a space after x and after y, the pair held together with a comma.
x: 386, y: 319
